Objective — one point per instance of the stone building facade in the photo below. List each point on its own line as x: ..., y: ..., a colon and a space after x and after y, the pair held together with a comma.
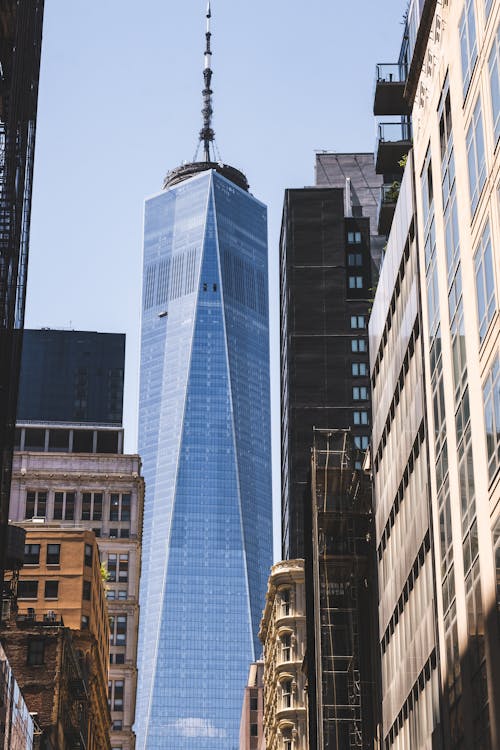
x: 103, y: 493
x: 283, y: 635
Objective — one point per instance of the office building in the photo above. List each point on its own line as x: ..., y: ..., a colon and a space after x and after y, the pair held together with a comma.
x: 21, y: 30
x: 72, y: 377
x: 74, y: 474
x: 326, y: 284
x: 204, y: 437
x: 252, y: 713
x: 59, y: 585
x: 283, y: 636
x: 451, y: 687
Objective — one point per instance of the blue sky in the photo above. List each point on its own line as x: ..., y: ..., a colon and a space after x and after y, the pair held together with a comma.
x: 119, y: 105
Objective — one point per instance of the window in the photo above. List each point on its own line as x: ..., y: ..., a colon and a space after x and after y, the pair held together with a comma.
x: 475, y: 156
x: 468, y: 44
x: 85, y: 622
x: 361, y: 442
x: 118, y: 630
x: 286, y: 694
x: 286, y: 647
x: 254, y: 731
x: 493, y: 64
x: 111, y: 594
x: 123, y: 568
x: 358, y: 321
x: 119, y: 658
x: 285, y: 602
x: 354, y: 238
x: 358, y: 345
x: 119, y: 509
x: 360, y: 393
x: 112, y: 567
x: 355, y: 282
x: 360, y: 417
x: 485, y: 282
x: 53, y: 554
x: 117, y: 725
x: 113, y: 533
x: 51, y: 589
x: 27, y: 590
x: 32, y: 554
x: 88, y: 555
x: 491, y: 397
x: 36, y: 504
x: 92, y: 506
x: 122, y: 595
x: 254, y: 703
x: 354, y: 259
x: 87, y: 591
x: 119, y: 690
x: 36, y: 649
x: 124, y: 533
x: 64, y: 506
x: 359, y: 369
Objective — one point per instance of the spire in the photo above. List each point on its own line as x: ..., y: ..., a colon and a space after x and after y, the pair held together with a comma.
x: 207, y: 134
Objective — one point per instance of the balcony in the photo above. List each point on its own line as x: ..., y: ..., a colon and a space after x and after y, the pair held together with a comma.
x: 392, y: 145
x: 387, y: 205
x: 390, y: 83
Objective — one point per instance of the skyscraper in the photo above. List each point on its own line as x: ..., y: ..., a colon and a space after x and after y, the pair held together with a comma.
x: 204, y: 434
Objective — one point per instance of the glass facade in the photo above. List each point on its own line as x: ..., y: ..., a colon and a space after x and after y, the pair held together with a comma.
x: 204, y: 436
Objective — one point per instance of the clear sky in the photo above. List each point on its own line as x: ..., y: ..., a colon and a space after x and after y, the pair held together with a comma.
x: 119, y: 105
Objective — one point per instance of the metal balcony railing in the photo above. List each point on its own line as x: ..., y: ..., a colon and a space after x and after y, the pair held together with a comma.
x: 393, y: 132
x: 391, y: 73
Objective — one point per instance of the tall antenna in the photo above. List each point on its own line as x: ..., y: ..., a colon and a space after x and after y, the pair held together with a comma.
x: 207, y: 134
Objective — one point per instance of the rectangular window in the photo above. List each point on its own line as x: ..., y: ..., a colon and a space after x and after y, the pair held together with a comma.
x: 64, y: 506
x: 286, y: 693
x: 112, y: 567
x: 354, y: 259
x: 36, y: 504
x: 494, y: 71
x: 360, y: 417
x: 119, y: 691
x: 485, y: 282
x: 360, y: 393
x: 97, y: 507
x: 468, y: 43
x: 359, y: 369
x: 491, y: 397
x: 254, y: 704
x: 88, y: 555
x: 286, y: 647
x: 355, y: 282
x: 53, y: 554
x: 123, y: 568
x: 114, y: 507
x: 358, y: 345
x: 51, y: 589
x: 354, y: 238
x: 475, y: 156
x: 87, y: 591
x: 358, y: 321
x: 125, y: 507
x: 32, y: 554
x: 361, y: 442
x: 27, y: 590
x: 36, y: 652
x: 86, y: 505
x: 121, y: 630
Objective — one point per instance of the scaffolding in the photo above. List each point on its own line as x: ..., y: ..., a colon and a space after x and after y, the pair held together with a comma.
x: 20, y: 47
x: 342, y: 565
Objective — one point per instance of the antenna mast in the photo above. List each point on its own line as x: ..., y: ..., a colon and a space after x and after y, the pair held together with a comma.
x: 207, y: 134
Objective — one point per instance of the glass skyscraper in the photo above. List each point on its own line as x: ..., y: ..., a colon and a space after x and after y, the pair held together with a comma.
x: 204, y: 436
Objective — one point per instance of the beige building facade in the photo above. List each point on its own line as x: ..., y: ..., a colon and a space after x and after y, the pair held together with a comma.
x: 103, y: 493
x: 455, y: 79
x: 283, y: 635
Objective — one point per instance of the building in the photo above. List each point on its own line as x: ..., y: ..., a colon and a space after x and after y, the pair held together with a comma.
x: 283, y: 635
x: 252, y: 714
x: 326, y: 284
x: 452, y: 687
x: 72, y: 472
x: 21, y: 33
x: 204, y: 436
x: 71, y: 377
x: 17, y: 727
x: 54, y: 679
x: 341, y: 596
x: 61, y: 584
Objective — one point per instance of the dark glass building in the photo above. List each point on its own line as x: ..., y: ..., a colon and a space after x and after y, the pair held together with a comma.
x: 20, y: 48
x: 72, y: 377
x: 326, y: 283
